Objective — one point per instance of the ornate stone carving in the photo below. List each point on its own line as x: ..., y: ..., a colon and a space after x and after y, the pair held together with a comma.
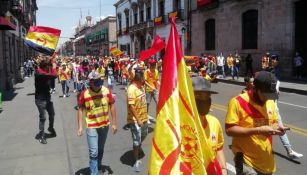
x: 140, y: 3
x: 126, y: 11
x: 147, y: 2
x: 134, y: 6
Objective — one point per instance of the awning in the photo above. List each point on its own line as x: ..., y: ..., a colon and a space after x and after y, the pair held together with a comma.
x: 6, y: 25
x: 78, y: 38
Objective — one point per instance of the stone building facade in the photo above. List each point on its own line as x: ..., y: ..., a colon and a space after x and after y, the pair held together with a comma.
x: 95, y: 39
x: 252, y: 26
x: 16, y: 16
x: 138, y: 21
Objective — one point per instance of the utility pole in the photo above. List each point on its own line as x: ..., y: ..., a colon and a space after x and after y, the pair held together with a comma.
x: 100, y: 39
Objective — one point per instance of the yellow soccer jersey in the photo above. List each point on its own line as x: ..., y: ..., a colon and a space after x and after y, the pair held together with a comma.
x: 257, y: 149
x: 136, y: 96
x: 214, y: 133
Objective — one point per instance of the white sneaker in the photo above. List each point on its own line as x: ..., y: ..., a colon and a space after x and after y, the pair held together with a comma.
x: 294, y: 155
x: 75, y: 90
x: 136, y: 166
x: 64, y: 96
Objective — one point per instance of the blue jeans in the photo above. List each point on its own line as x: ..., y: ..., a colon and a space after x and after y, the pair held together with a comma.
x: 96, y: 138
x: 284, y: 138
x: 138, y: 133
x: 65, y: 87
x: 236, y: 71
x: 110, y: 81
x: 221, y: 70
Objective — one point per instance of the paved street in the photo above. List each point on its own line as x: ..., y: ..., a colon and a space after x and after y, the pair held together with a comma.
x: 21, y: 154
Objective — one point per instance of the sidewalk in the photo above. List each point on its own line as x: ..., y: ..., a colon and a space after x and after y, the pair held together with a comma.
x: 20, y: 153
x: 285, y: 86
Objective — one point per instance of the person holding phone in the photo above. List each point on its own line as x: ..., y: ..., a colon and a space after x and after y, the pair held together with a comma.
x: 252, y: 120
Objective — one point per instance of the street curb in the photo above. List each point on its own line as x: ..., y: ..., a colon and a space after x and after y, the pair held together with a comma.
x: 282, y: 89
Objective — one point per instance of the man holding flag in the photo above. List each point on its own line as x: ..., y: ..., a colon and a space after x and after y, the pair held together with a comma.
x: 44, y: 40
x: 179, y: 145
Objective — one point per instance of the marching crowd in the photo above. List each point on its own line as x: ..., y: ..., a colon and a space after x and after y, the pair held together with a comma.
x: 252, y: 117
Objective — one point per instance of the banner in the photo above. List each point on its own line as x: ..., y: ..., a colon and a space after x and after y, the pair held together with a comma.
x: 190, y: 60
x: 158, y: 21
x: 179, y: 144
x: 157, y: 46
x: 201, y: 3
x: 116, y: 52
x: 43, y: 39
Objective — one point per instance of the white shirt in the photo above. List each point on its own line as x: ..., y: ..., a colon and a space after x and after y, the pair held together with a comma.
x: 220, y: 61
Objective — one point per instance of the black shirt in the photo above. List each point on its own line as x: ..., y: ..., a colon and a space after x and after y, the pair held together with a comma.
x: 42, y: 84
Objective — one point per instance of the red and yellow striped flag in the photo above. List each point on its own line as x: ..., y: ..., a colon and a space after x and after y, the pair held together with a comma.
x: 179, y: 145
x: 43, y: 39
x: 115, y: 51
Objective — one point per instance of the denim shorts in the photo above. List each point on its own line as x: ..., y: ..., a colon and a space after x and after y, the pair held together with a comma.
x: 150, y: 96
x: 138, y: 133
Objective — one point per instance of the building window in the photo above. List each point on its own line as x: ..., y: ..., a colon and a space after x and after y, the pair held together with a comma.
x: 135, y: 18
x: 142, y: 16
x: 210, y: 34
x: 127, y: 21
x: 148, y: 13
x: 250, y: 29
x: 119, y: 23
x: 176, y: 5
x: 161, y: 8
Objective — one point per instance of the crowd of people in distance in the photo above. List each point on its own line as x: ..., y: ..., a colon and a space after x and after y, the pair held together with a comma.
x: 252, y: 117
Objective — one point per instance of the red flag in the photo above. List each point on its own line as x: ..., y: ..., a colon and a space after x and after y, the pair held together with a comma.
x: 157, y: 45
x: 179, y: 145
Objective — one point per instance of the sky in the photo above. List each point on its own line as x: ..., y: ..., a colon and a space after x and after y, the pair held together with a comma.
x: 65, y: 14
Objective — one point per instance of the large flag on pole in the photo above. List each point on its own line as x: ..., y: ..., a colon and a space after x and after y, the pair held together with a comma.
x: 179, y: 145
x: 157, y: 46
x: 43, y: 39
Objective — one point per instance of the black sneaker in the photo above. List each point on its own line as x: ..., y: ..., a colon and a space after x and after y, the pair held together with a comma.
x: 42, y: 139
x: 52, y: 132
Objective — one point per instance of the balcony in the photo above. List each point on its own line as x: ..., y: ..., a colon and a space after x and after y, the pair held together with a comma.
x: 141, y: 26
x: 6, y: 24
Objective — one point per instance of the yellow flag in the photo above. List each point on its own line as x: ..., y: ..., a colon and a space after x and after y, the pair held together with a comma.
x: 179, y: 145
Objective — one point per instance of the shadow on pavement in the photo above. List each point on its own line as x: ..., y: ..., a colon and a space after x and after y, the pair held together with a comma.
x: 30, y: 94
x: 286, y: 157
x: 128, y: 159
x: 47, y: 135
x: 86, y: 171
x: 9, y: 95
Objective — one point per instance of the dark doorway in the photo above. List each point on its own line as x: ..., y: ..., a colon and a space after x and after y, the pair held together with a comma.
x: 300, y: 31
x: 210, y: 34
x: 142, y: 42
x: 250, y: 29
